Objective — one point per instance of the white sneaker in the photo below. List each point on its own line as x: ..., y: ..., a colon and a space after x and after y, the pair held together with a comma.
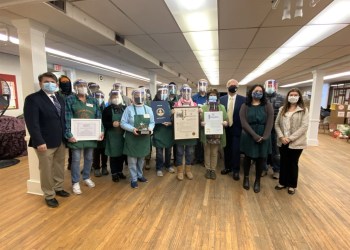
x: 159, y: 173
x: 76, y: 188
x: 171, y: 170
x: 89, y: 183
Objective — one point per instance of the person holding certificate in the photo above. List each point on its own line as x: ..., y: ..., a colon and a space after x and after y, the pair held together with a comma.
x: 185, y: 146
x: 81, y: 106
x: 257, y: 120
x: 163, y: 135
x: 138, y: 121
x: 212, y: 141
x: 114, y: 137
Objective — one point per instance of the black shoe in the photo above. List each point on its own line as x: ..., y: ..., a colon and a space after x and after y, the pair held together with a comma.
x: 52, y: 202
x: 279, y: 187
x: 121, y: 176
x: 236, y: 176
x: 225, y: 171
x: 291, y: 190
x: 62, y: 193
x: 257, y: 186
x: 115, y: 177
x: 246, y: 185
x: 69, y: 166
x: 105, y: 171
x: 97, y: 172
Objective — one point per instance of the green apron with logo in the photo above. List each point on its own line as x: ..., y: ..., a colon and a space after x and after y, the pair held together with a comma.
x: 138, y: 145
x: 114, y: 138
x: 83, y: 111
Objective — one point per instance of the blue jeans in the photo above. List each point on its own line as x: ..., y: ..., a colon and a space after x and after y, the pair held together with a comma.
x: 159, y: 158
x: 188, y: 150
x: 135, y: 167
x: 75, y: 168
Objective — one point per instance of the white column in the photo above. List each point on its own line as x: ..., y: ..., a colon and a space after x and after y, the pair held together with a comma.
x: 325, y: 94
x: 153, y: 83
x: 33, y: 62
x: 315, y: 106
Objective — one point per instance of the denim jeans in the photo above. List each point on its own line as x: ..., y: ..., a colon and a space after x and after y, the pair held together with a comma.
x: 159, y: 158
x: 75, y: 168
x: 135, y: 165
x: 188, y: 150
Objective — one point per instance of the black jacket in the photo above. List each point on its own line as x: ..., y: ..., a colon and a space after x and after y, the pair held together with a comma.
x: 44, y: 124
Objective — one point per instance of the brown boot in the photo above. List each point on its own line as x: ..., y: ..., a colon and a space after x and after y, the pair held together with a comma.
x: 188, y: 172
x: 180, y: 173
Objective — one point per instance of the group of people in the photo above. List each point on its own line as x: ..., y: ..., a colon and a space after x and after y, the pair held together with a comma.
x: 265, y: 127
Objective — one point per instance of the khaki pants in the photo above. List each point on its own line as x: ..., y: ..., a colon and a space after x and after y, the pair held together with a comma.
x: 211, y: 155
x: 51, y: 166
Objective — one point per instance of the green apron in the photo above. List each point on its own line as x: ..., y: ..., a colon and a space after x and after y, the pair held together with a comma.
x: 114, y: 138
x: 137, y: 145
x: 163, y: 137
x: 83, y: 111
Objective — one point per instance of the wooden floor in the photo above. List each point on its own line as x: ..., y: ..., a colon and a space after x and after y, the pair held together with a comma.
x: 197, y: 214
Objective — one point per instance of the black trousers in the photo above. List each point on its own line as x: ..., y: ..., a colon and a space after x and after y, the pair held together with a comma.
x: 199, y: 152
x: 259, y: 164
x: 289, y: 166
x: 116, y: 164
x: 232, y: 151
x: 99, y: 157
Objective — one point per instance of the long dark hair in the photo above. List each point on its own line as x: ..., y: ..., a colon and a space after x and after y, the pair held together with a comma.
x: 286, y: 105
x: 249, y: 98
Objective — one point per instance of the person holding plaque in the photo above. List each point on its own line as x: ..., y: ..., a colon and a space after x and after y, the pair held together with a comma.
x: 81, y: 106
x: 185, y: 146
x: 257, y: 120
x: 212, y: 142
x: 138, y: 121
x: 114, y: 137
x: 163, y: 134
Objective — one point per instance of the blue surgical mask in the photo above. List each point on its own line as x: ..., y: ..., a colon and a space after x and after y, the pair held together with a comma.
x: 212, y: 98
x: 163, y: 97
x: 50, y: 87
x: 257, y: 95
x: 100, y: 101
x: 270, y: 91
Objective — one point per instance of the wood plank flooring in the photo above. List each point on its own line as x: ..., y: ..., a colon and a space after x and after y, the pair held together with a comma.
x: 199, y: 214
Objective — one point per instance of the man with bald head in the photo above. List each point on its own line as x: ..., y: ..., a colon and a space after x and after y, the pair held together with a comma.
x: 232, y: 102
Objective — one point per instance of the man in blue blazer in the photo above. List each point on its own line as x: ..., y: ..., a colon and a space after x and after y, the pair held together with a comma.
x: 44, y: 114
x: 232, y: 102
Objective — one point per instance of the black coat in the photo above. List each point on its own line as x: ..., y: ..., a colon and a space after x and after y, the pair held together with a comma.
x: 44, y: 124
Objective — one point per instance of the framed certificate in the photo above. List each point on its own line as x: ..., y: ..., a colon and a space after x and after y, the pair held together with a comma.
x: 186, y: 123
x: 161, y: 111
x: 213, y: 123
x: 86, y: 129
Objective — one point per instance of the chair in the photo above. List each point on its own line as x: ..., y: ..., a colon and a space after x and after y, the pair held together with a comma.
x: 324, y: 124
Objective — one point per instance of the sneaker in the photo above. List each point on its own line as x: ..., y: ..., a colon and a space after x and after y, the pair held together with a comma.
x: 276, y: 175
x: 208, y: 174
x: 89, y: 183
x: 159, y: 173
x: 212, y: 175
x: 142, y: 179
x: 121, y: 176
x: 97, y: 172
x: 171, y: 170
x: 263, y: 173
x: 76, y: 188
x: 134, y: 184
x: 105, y: 171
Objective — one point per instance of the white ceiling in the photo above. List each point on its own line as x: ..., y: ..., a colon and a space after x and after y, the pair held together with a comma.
x: 249, y: 31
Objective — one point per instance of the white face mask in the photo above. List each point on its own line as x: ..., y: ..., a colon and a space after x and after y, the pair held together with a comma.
x: 293, y: 99
x: 81, y: 90
x: 116, y: 101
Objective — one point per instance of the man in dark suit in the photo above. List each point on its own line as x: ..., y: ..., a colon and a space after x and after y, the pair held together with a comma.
x: 232, y: 102
x: 44, y: 114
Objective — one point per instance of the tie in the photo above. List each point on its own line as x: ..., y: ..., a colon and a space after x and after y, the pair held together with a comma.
x: 230, y: 111
x: 57, y: 104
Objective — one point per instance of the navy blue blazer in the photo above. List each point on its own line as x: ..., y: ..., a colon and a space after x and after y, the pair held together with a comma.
x: 44, y: 124
x: 237, y: 127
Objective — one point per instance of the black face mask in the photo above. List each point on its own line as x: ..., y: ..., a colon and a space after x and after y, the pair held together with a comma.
x: 66, y: 87
x: 138, y: 100
x: 232, y: 89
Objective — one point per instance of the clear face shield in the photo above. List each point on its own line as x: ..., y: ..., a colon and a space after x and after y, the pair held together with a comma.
x: 271, y: 86
x: 80, y: 87
x: 100, y: 97
x: 172, y: 89
x: 186, y: 93
x: 163, y: 93
x: 202, y: 86
x: 93, y: 87
x: 115, y: 97
x: 118, y: 87
x: 139, y: 96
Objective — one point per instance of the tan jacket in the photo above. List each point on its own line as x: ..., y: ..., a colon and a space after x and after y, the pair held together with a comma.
x: 299, y: 123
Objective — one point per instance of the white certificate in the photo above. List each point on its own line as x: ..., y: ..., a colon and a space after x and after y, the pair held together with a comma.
x: 186, y: 123
x: 213, y: 123
x: 86, y: 129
